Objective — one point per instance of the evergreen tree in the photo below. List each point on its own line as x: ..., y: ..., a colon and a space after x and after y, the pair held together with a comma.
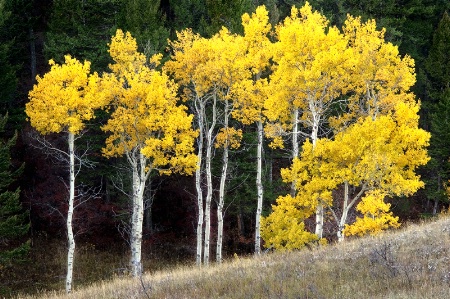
x: 81, y: 29
x: 438, y: 61
x: 438, y: 71
x: 207, y: 17
x: 8, y: 80
x: 146, y: 22
x: 13, y: 220
x: 186, y: 14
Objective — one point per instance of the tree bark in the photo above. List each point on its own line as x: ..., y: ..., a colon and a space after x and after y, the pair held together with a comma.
x: 70, y: 236
x: 259, y: 188
x: 314, y: 136
x: 209, y: 145
x: 295, y: 148
x: 200, y: 109
x: 340, y: 233
x: 137, y: 218
x: 347, y: 205
x: 223, y: 179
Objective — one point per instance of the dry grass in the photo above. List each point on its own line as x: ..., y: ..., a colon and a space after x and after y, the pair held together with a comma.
x: 413, y: 262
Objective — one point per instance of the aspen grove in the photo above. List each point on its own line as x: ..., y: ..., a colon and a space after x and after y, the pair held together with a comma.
x: 338, y: 100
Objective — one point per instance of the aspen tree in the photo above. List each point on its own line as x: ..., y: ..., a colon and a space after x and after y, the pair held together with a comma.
x: 146, y: 126
x: 183, y: 63
x: 250, y: 94
x: 208, y: 68
x: 309, y: 75
x: 62, y: 101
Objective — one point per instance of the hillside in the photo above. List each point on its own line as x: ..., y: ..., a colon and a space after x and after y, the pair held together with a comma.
x: 412, y: 262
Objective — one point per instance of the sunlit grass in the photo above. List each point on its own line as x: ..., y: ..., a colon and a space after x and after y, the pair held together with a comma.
x: 413, y: 262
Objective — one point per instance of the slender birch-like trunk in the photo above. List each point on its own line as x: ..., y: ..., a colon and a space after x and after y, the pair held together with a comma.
x: 198, y: 179
x: 148, y: 219
x: 314, y: 135
x: 70, y: 236
x: 209, y: 145
x: 140, y: 176
x: 223, y: 178
x: 220, y: 206
x: 295, y: 150
x: 259, y: 188
x: 347, y: 205
x: 340, y: 233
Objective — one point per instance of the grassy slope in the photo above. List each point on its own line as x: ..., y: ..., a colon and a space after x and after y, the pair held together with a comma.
x: 412, y: 262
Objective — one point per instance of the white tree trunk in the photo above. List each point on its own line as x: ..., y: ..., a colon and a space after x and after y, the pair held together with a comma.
x: 345, y: 208
x: 198, y: 180
x: 259, y: 188
x: 70, y: 236
x: 220, y: 206
x: 347, y: 205
x: 295, y: 150
x: 314, y: 135
x: 223, y: 178
x: 209, y: 145
x: 319, y: 220
x: 140, y: 176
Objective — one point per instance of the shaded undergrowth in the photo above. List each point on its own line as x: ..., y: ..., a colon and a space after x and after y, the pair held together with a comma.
x: 413, y: 262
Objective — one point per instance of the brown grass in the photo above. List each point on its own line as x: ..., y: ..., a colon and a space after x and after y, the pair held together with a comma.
x: 413, y: 262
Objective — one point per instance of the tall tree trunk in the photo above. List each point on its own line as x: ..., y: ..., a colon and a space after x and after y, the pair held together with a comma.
x: 319, y: 220
x: 347, y: 205
x: 223, y: 179
x: 314, y: 136
x: 148, y: 208
x: 209, y: 145
x: 198, y: 179
x: 70, y: 236
x: 259, y: 188
x: 220, y: 207
x: 295, y: 148
x: 340, y: 233
x: 137, y: 218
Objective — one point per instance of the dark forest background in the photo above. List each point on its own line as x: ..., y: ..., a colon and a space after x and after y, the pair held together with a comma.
x: 32, y: 182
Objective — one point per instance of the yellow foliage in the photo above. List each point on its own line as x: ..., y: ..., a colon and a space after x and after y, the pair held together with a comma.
x: 64, y: 98
x: 275, y: 131
x: 311, y: 68
x: 229, y: 137
x: 208, y: 65
x: 379, y: 77
x: 248, y: 100
x: 376, y: 216
x: 284, y: 228
x: 378, y: 156
x: 447, y: 189
x: 256, y: 31
x: 145, y: 114
x: 123, y: 50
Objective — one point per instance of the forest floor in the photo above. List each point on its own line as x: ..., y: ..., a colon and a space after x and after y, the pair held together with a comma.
x: 45, y: 268
x: 411, y: 262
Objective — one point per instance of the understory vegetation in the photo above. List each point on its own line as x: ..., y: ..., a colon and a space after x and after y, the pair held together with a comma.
x: 412, y: 262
